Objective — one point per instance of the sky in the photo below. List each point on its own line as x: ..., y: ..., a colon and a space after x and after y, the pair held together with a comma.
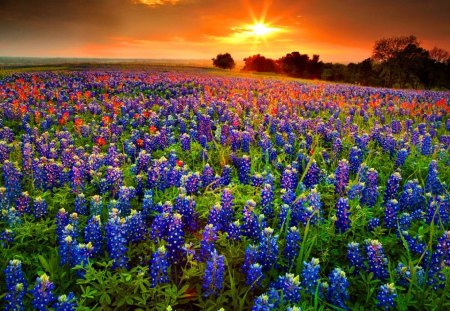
x: 339, y: 30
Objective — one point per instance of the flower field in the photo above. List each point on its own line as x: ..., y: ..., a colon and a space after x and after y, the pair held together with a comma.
x: 165, y: 190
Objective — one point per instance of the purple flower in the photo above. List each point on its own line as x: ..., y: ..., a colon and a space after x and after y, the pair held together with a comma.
x: 386, y: 296
x: 390, y: 214
x: 342, y: 223
x: 337, y: 291
x: 377, y: 260
x: 158, y: 267
x: 289, y: 285
x: 214, y: 274
x: 341, y: 176
x: 43, y: 293
x: 355, y: 257
x: 392, y: 187
x: 293, y: 241
x: 310, y: 276
x: 40, y: 207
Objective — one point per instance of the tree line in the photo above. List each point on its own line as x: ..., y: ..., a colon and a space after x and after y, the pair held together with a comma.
x: 395, y: 62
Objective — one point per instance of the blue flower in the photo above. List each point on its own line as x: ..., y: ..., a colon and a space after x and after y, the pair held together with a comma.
x: 213, y: 276
x: 385, y: 296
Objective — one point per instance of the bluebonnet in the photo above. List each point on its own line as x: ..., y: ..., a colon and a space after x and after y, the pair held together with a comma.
x: 66, y: 303
x: 93, y: 234
x: 337, y: 291
x: 250, y: 227
x: 267, y: 197
x: 175, y: 238
x: 386, y: 296
x: 267, y: 302
x: 373, y: 223
x: 225, y: 178
x: 136, y: 229
x: 293, y: 242
x: 390, y: 214
x: 370, y: 191
x: 43, y: 293
x: 40, y: 207
x: 96, y: 205
x: 312, y: 176
x: 243, y: 167
x: 80, y: 204
x: 209, y: 236
x: 411, y: 199
x: 158, y: 267
x: 16, y: 286
x: 376, y: 259
x: 392, y: 187
x: 214, y: 275
x: 342, y: 223
x: 355, y: 257
x: 355, y: 159
x: 310, y: 276
x: 268, y: 249
x: 401, y: 157
x: 289, y: 285
x: 116, y: 243
x: 426, y: 148
x: 341, y: 176
x: 254, y: 275
x: 433, y: 184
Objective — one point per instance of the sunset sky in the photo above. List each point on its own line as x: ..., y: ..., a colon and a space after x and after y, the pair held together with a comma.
x: 339, y: 30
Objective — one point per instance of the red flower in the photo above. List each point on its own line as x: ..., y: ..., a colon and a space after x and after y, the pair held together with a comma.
x: 152, y: 129
x: 140, y: 142
x: 180, y: 163
x: 101, y: 141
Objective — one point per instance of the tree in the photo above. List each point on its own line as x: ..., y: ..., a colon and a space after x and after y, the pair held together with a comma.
x: 389, y: 48
x: 224, y: 61
x: 439, y: 55
x: 260, y: 63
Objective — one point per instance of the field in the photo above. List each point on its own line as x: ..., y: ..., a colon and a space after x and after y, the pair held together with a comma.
x: 169, y: 189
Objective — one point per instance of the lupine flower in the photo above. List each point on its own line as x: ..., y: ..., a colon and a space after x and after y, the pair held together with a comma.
x: 341, y: 176
x: 390, y: 214
x: 439, y: 259
x: 439, y: 210
x: 337, y: 291
x: 12, y: 178
x: 16, y: 286
x: 267, y: 197
x: 66, y: 303
x: 136, y: 229
x: 289, y: 285
x: 234, y: 231
x: 342, y: 223
x: 40, y: 207
x: 385, y: 296
x: 23, y: 203
x: 289, y: 178
x: 214, y: 273
x: 96, y: 205
x: 225, y: 178
x: 43, y: 293
x: 412, y: 198
x: 426, y: 145
x: 93, y: 234
x: 268, y: 249
x: 433, y: 184
x: 116, y: 242
x: 310, y: 276
x: 377, y: 260
x: 250, y: 257
x: 209, y: 236
x: 312, y: 176
x: 250, y: 227
x: 80, y: 204
x: 185, y: 142
x: 175, y: 238
x: 293, y: 241
x: 158, y: 267
x: 404, y: 275
x: 392, y: 186
x: 243, y: 167
x: 401, y: 157
x: 257, y: 180
x: 192, y: 183
x: 355, y: 257
x: 370, y: 191
x: 254, y: 275
x: 355, y: 159
x: 185, y: 206
x: 267, y: 302
x: 147, y: 204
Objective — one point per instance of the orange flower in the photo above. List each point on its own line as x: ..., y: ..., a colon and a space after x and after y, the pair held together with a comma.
x: 140, y: 142
x: 106, y: 120
x: 152, y: 129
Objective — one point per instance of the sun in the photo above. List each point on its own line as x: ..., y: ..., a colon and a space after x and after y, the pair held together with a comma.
x: 261, y: 29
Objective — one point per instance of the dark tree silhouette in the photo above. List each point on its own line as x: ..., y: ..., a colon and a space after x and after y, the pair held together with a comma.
x: 388, y: 48
x: 259, y: 63
x: 300, y: 65
x: 224, y: 61
x: 439, y: 55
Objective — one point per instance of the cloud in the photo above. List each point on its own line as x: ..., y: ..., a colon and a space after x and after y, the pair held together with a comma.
x: 157, y: 2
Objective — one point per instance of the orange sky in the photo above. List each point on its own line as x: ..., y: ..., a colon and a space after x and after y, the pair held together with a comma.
x: 339, y: 31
